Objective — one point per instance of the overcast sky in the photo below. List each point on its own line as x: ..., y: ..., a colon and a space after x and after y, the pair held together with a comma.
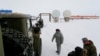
x: 34, y: 7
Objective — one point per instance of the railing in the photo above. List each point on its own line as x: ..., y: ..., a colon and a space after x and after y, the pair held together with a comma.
x: 46, y: 14
x: 69, y: 18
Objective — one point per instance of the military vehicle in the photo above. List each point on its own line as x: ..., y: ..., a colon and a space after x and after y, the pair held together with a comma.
x: 14, y: 35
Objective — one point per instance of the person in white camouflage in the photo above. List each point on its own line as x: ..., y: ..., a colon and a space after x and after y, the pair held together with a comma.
x: 59, y: 40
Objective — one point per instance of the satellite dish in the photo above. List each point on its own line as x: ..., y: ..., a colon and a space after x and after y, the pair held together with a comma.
x: 56, y: 13
x: 67, y: 13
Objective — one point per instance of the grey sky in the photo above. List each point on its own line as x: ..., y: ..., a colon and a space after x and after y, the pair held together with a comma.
x: 34, y: 7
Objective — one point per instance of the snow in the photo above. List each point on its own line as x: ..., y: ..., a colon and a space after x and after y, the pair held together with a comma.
x: 73, y: 31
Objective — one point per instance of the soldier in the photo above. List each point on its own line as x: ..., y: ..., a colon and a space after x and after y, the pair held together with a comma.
x: 59, y: 40
x: 88, y: 48
x: 36, y: 37
x: 40, y: 22
x: 78, y: 51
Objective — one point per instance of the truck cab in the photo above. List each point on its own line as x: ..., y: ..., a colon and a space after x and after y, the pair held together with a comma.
x: 14, y: 37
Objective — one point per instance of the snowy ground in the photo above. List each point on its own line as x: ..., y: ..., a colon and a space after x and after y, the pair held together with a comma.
x: 73, y: 31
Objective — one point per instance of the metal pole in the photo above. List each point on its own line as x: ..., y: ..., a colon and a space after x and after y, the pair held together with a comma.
x: 30, y: 20
x: 49, y: 17
x: 40, y: 15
